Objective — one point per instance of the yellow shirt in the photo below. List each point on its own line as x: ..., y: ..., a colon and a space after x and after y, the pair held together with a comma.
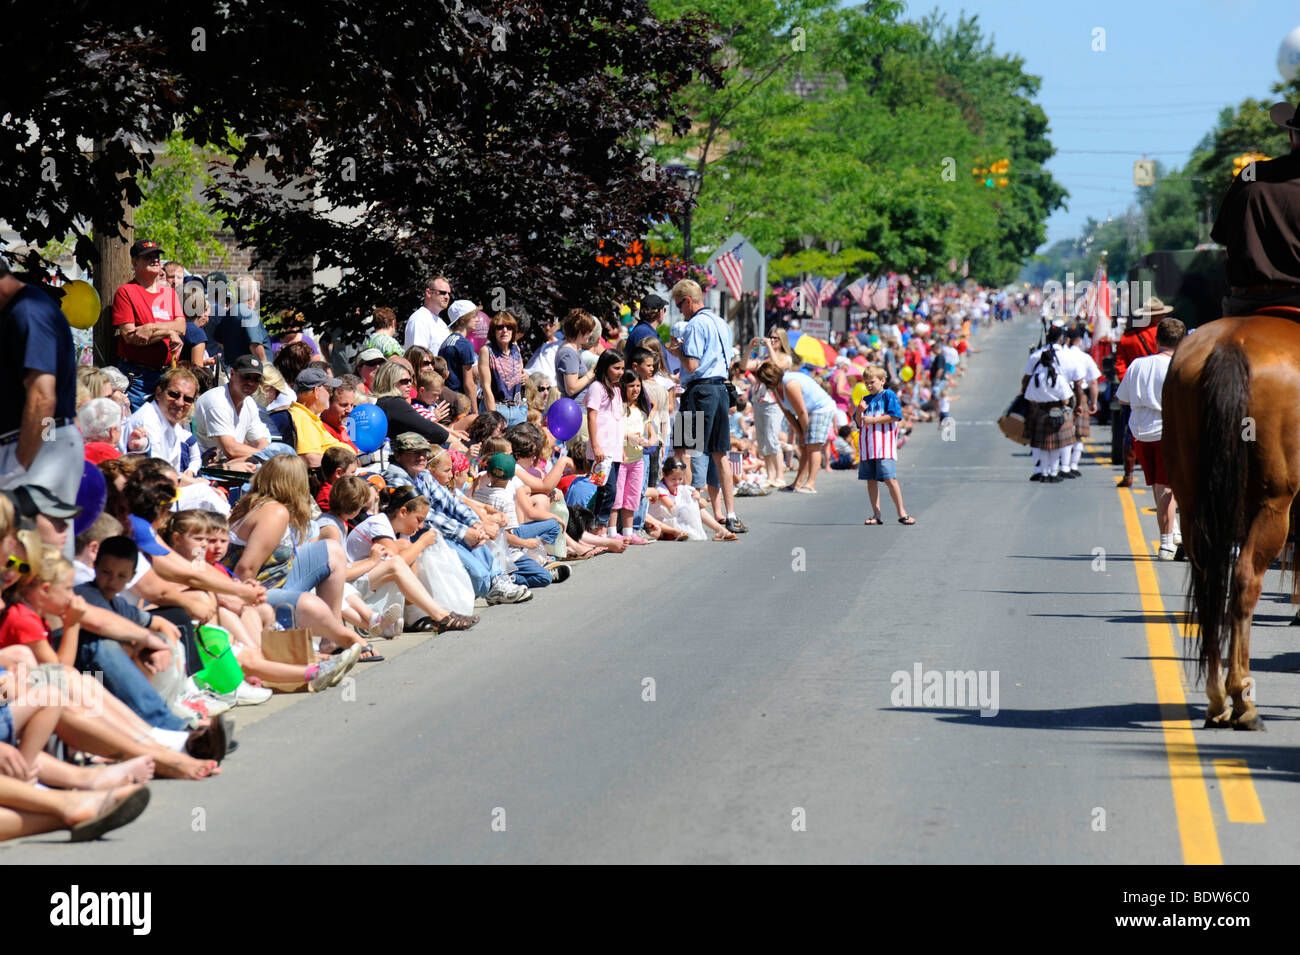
x: 312, y: 436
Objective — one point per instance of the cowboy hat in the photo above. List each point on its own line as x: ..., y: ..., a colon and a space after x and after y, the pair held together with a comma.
x: 1285, y: 115
x: 1153, y: 309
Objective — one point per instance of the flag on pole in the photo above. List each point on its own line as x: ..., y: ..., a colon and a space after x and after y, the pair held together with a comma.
x: 880, y: 294
x: 859, y: 290
x: 731, y: 265
x: 829, y: 288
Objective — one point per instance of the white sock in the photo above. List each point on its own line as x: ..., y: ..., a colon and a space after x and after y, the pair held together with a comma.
x: 1166, y: 540
x: 1063, y: 456
x: 1038, y: 460
x: 1076, y: 456
x: 172, y: 739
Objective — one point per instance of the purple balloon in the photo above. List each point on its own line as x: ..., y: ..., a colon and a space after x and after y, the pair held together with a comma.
x: 564, y: 419
x: 90, y: 497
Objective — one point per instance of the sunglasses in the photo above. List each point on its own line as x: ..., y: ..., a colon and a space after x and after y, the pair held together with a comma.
x: 441, y: 292
x: 22, y: 566
x: 404, y: 381
x: 428, y: 363
x: 175, y: 395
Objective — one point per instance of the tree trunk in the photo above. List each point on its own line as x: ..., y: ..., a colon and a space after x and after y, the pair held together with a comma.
x: 112, y: 269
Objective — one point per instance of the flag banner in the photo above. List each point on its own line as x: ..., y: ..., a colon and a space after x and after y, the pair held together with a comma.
x: 731, y: 265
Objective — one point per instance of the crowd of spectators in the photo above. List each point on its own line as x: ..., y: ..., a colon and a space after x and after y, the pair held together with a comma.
x: 236, y: 499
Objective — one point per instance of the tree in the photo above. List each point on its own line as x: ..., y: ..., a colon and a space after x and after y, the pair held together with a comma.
x: 173, y: 211
x: 497, y: 144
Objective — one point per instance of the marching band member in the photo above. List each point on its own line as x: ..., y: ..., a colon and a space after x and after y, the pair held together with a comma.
x: 1049, y: 381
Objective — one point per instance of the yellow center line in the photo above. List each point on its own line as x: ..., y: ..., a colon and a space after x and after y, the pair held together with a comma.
x: 1196, y: 831
x: 1239, y: 797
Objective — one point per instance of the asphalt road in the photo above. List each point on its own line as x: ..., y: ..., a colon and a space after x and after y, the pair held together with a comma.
x: 775, y: 732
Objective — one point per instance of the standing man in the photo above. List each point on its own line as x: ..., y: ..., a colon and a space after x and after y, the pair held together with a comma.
x: 424, y: 327
x: 1083, y: 411
x: 704, y: 422
x: 40, y: 444
x: 459, y: 352
x: 1259, y: 224
x: 149, y: 323
x: 647, y: 323
x: 242, y: 332
x: 1138, y: 339
x: 1048, y: 383
x: 1141, y: 388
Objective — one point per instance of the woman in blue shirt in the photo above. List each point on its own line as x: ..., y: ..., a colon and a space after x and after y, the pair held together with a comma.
x: 810, y: 411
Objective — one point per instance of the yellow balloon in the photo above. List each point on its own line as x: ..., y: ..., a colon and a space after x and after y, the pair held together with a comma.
x: 906, y: 373
x: 859, y: 392
x: 80, y: 304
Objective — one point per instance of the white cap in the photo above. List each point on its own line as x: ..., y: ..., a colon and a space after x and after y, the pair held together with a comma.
x: 459, y: 309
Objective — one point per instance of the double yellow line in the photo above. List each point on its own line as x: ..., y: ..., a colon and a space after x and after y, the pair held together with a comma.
x: 1196, y: 831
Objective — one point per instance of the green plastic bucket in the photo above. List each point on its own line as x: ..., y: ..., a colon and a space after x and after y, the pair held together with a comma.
x: 221, y: 672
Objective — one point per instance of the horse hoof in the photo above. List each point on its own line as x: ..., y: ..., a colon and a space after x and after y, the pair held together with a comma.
x: 1216, y: 724
x: 1255, y: 724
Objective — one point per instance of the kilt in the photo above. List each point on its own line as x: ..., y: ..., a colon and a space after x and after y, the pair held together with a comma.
x: 1082, y: 423
x: 1039, y: 431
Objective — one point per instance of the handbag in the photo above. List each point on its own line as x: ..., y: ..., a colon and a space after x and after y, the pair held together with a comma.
x: 288, y: 646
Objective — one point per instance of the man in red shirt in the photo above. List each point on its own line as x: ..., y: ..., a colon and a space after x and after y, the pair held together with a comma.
x: 1138, y: 340
x: 149, y: 323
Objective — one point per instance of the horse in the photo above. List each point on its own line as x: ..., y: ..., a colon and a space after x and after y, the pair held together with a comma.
x: 1231, y: 444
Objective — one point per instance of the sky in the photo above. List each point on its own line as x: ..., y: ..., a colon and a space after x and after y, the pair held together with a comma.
x: 1168, y: 67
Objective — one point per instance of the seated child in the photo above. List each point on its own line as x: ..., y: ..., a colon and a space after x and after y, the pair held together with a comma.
x: 677, y: 505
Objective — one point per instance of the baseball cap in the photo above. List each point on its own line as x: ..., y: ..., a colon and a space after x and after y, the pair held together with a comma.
x: 32, y: 499
x: 501, y: 465
x: 652, y: 303
x: 411, y: 441
x: 678, y: 331
x: 247, y: 365
x: 314, y: 378
x: 145, y: 247
x: 369, y: 355
x: 459, y: 309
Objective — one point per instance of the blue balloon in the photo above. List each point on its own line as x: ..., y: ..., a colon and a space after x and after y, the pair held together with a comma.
x: 91, y: 496
x: 564, y: 419
x: 368, y: 428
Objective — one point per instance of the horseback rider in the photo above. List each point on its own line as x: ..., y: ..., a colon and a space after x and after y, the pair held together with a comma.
x: 1259, y: 224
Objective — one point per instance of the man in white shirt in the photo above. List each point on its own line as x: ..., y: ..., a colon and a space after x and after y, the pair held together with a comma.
x: 226, y: 422
x: 424, y: 327
x: 1049, y: 380
x: 1083, y: 411
x: 1144, y: 380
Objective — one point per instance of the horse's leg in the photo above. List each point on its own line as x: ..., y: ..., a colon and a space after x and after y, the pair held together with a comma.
x: 1264, y: 541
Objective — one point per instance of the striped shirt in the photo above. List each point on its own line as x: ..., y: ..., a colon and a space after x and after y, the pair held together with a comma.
x: 880, y: 440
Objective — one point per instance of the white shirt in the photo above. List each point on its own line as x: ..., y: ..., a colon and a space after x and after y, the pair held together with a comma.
x: 1141, y: 387
x: 214, y: 416
x: 543, y: 361
x: 165, y: 438
x: 366, y: 533
x: 1091, y: 371
x: 425, y: 329
x: 1040, y: 388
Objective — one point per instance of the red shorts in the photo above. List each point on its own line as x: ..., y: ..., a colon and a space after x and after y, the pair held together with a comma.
x: 1152, y: 461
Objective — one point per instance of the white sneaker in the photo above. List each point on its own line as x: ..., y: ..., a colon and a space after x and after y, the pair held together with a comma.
x: 506, y: 591
x: 205, y: 703
x: 246, y: 695
x: 1166, y: 552
x: 391, y: 624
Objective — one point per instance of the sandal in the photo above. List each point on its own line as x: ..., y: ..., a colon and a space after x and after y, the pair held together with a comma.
x: 725, y: 536
x: 424, y: 625
x: 873, y: 522
x: 907, y: 519
x: 370, y: 655
x: 455, y: 621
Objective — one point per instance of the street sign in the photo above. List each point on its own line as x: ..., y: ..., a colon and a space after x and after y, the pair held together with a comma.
x: 1144, y: 172
x: 816, y: 327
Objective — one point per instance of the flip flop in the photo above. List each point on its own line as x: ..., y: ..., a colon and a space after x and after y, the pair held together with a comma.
x: 909, y: 519
x: 113, y: 818
x: 725, y: 537
x: 873, y: 522
x: 370, y: 655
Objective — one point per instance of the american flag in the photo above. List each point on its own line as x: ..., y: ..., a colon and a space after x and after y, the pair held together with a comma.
x: 810, y: 294
x: 730, y: 264
x: 880, y: 296
x: 829, y: 289
x: 859, y: 290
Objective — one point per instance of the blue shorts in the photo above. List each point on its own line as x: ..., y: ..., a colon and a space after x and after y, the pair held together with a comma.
x: 6, y: 722
x: 310, y: 567
x: 877, y: 469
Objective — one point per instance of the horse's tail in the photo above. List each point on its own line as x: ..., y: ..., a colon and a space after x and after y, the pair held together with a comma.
x: 1219, y: 523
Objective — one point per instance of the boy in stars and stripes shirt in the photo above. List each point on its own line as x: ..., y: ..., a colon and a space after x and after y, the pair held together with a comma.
x: 877, y: 418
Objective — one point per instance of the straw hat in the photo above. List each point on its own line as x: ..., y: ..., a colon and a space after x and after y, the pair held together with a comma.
x: 1154, y: 308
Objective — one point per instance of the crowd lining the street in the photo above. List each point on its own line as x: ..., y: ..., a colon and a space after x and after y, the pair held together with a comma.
x: 235, y: 495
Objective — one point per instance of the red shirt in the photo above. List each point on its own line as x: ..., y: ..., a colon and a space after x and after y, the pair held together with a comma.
x: 1135, y: 344
x: 97, y: 452
x: 323, y: 497
x: 132, y: 305
x: 22, y: 624
x: 342, y: 435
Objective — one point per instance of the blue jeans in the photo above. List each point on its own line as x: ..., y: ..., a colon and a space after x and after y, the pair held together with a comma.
x: 479, y: 562
x: 704, y: 470
x: 310, y: 567
x: 271, y: 450
x: 528, y: 571
x: 141, y: 382
x: 603, y: 503
x: 125, y: 681
x: 548, y: 530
